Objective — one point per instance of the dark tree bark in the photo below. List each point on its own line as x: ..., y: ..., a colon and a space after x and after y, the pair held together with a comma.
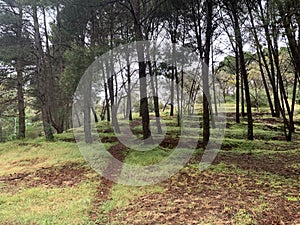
x: 20, y: 79
x: 155, y: 97
x: 206, y: 93
x: 42, y: 78
x: 129, y: 99
x: 243, y: 71
x: 113, y: 103
x: 87, y: 111
x: 136, y: 13
x: 260, y: 62
x: 21, y: 103
x: 237, y: 85
x: 106, y: 108
x: 95, y: 114
x: 270, y: 67
x: 172, y: 92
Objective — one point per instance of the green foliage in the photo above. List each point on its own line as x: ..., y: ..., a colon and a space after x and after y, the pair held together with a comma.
x: 78, y: 59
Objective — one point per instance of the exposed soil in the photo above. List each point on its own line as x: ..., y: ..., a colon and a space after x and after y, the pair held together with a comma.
x: 224, y: 197
x: 169, y: 142
x: 190, y: 198
x: 66, y: 175
x: 279, y: 163
x: 109, y: 139
x: 103, y: 190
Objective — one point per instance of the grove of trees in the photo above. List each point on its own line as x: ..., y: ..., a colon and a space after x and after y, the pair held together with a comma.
x: 252, y: 47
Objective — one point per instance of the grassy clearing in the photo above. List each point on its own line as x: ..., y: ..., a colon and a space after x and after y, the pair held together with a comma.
x: 23, y: 204
x: 48, y: 206
x: 243, y: 186
x: 30, y: 155
x: 121, y: 195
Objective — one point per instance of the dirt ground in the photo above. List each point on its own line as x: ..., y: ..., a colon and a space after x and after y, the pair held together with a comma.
x: 222, y: 197
x: 226, y: 196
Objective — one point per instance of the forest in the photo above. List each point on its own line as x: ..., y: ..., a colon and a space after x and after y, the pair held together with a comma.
x: 150, y: 111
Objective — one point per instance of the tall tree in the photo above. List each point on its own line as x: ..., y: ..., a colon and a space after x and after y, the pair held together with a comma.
x: 202, y: 13
x: 42, y: 74
x: 234, y: 11
x: 15, y: 45
x: 141, y: 11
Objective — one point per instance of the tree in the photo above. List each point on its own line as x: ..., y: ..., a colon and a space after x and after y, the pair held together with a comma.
x: 42, y: 74
x: 140, y: 12
x: 290, y: 21
x: 234, y: 11
x: 15, y: 51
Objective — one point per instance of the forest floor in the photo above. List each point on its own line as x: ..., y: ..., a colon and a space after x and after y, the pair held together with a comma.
x: 249, y: 182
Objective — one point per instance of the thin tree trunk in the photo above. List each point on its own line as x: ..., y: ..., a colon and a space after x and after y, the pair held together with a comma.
x: 237, y: 85
x: 172, y: 92
x: 42, y: 79
x: 271, y: 73
x: 244, y: 75
x: 206, y: 94
x: 259, y: 54
x: 95, y: 114
x: 242, y: 96
x: 21, y: 105
x: 113, y: 108
x: 87, y: 111
x: 144, y: 110
x: 129, y: 100
x: 20, y: 81
x: 178, y: 99
x: 155, y: 99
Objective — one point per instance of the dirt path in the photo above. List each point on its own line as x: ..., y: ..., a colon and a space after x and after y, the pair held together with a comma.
x: 103, y: 190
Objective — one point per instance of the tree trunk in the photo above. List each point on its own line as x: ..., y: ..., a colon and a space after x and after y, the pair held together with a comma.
x: 144, y: 110
x: 95, y: 114
x: 114, y: 112
x: 205, y: 73
x: 155, y: 98
x: 260, y: 55
x: 21, y: 104
x: 129, y: 100
x: 244, y: 74
x: 178, y: 99
x: 87, y: 110
x: 42, y: 78
x: 242, y: 96
x: 271, y: 72
x: 143, y: 96
x: 20, y: 81
x: 172, y: 92
x: 237, y: 85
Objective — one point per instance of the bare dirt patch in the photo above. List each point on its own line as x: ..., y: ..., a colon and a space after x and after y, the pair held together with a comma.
x: 277, y: 163
x: 60, y: 176
x: 103, y: 190
x: 223, y: 198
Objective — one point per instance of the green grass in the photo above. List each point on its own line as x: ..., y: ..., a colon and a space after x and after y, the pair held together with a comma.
x: 121, y: 195
x: 48, y: 206
x: 242, y: 217
x: 145, y: 158
x: 30, y: 155
x: 72, y: 205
